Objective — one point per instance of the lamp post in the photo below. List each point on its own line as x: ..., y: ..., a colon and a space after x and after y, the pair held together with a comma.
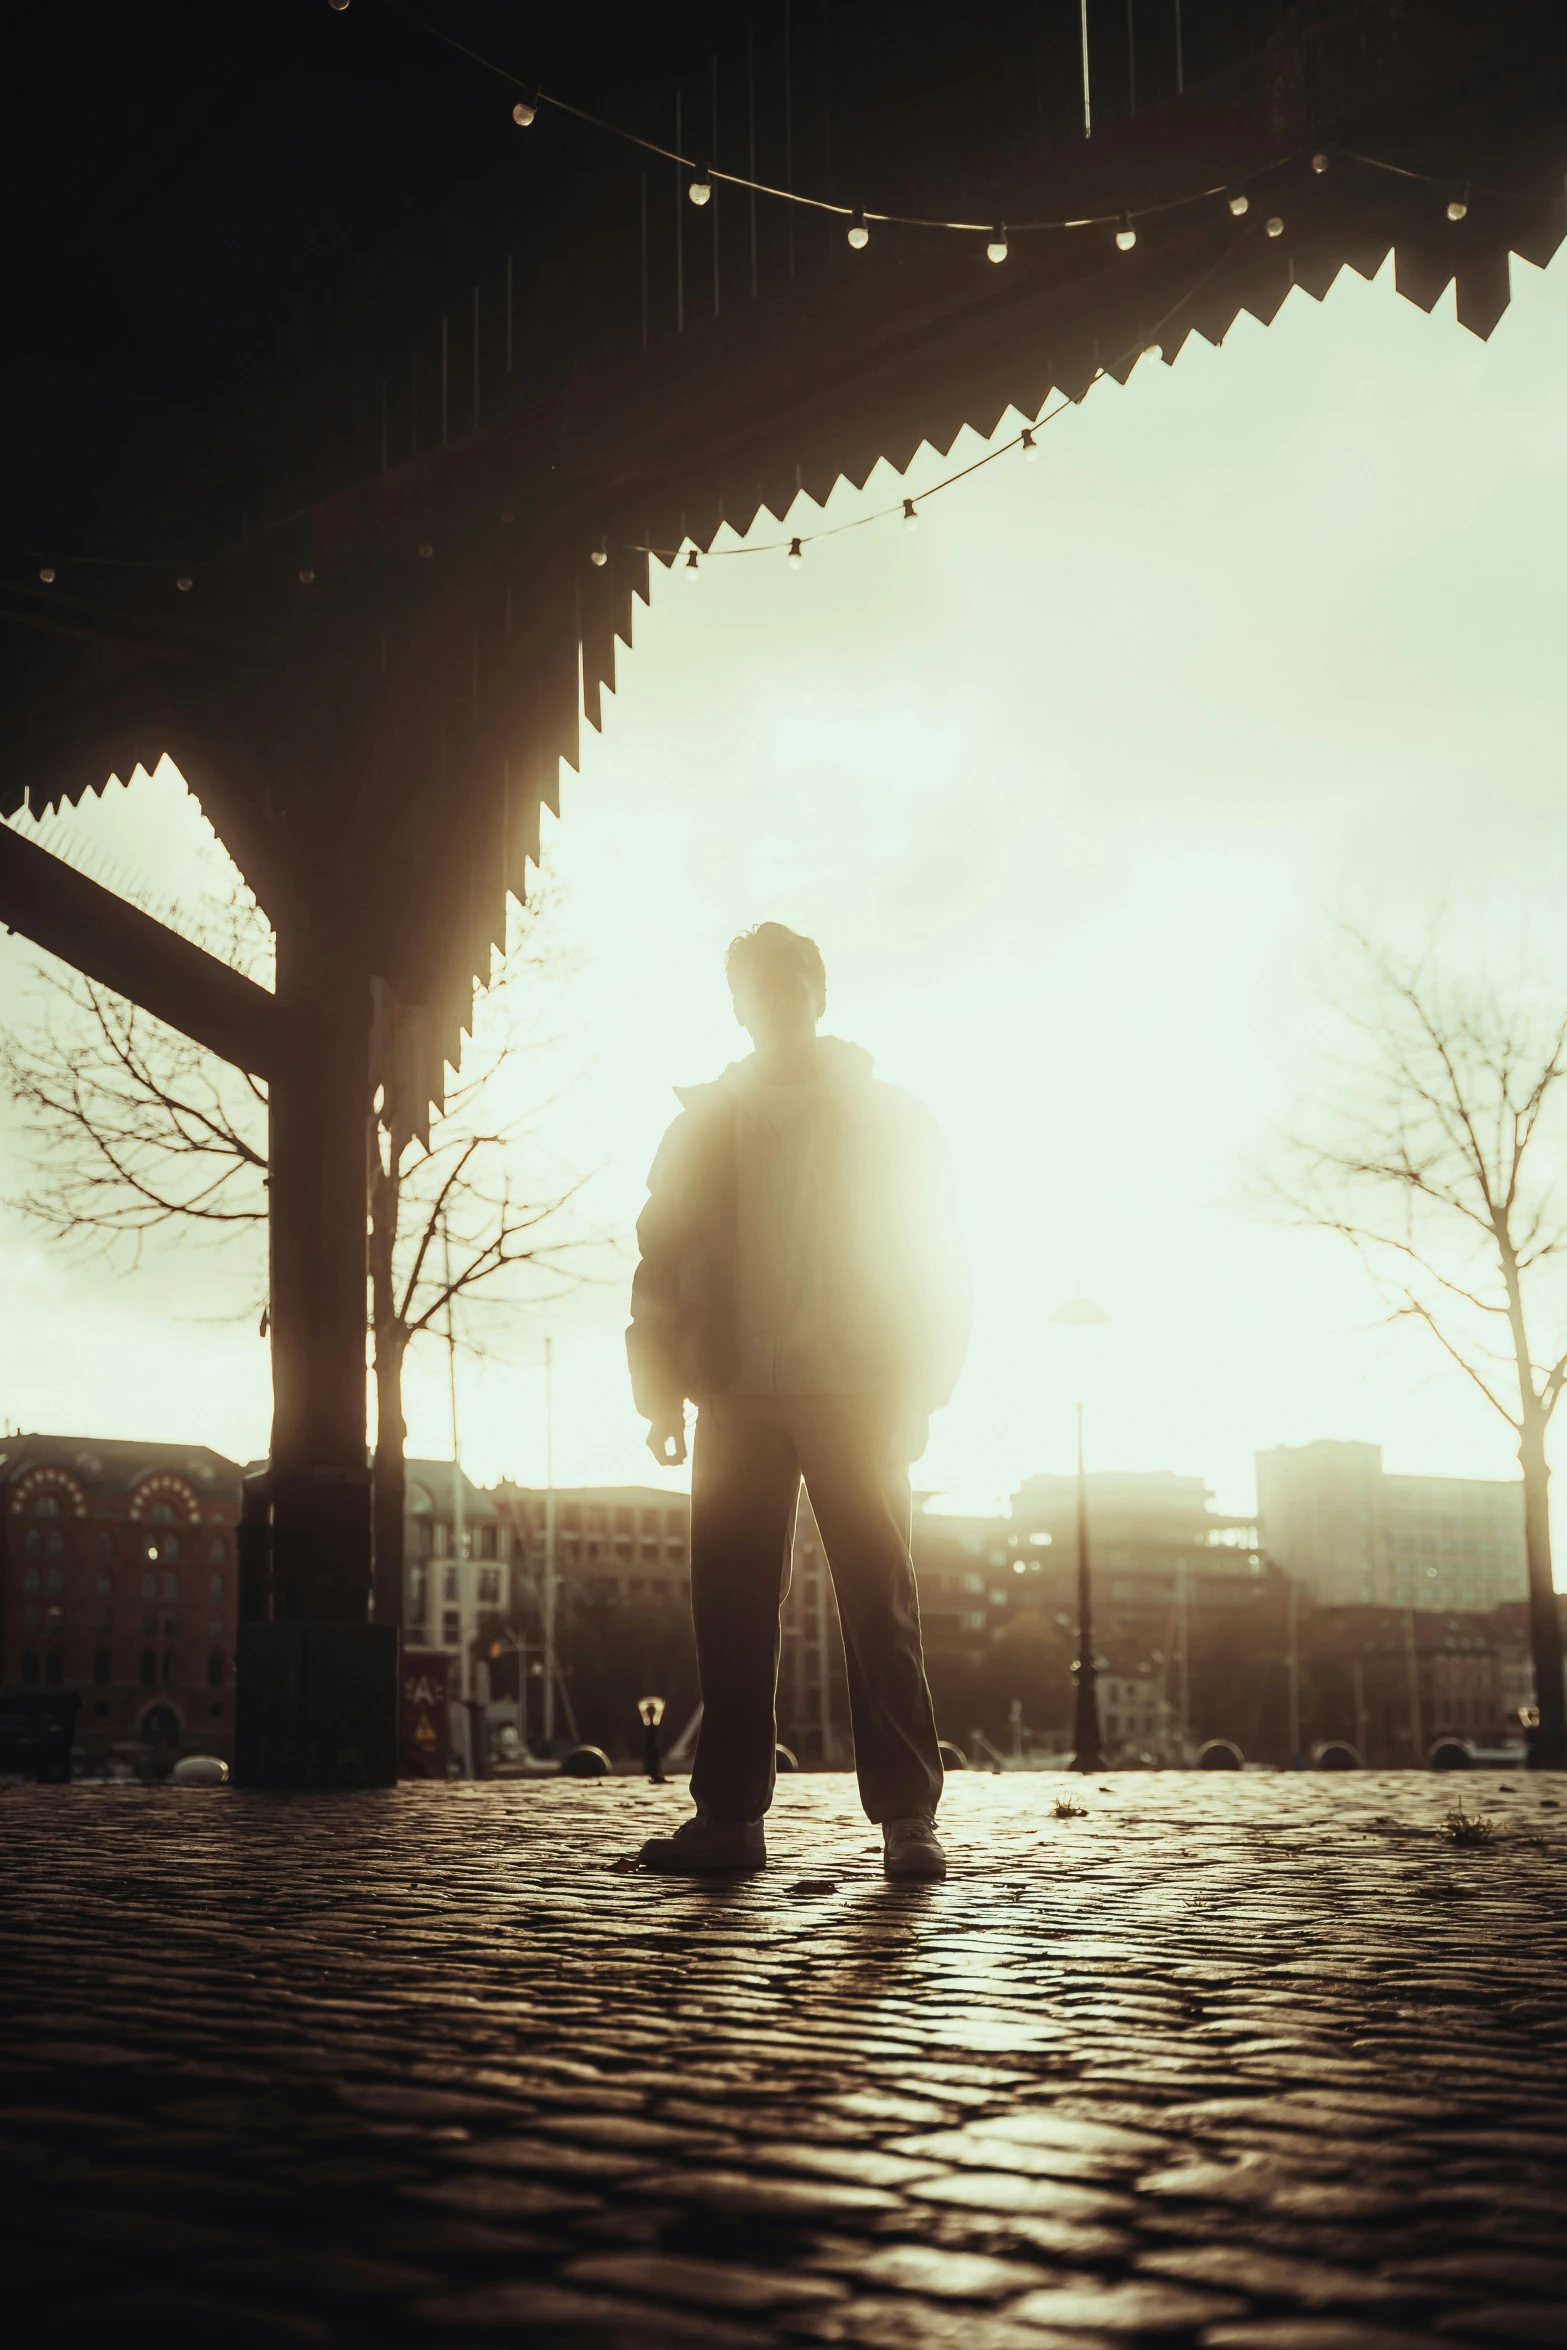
x: 1080, y: 1313
x: 651, y: 1710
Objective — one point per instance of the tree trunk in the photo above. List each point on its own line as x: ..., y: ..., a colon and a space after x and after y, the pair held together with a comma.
x: 387, y: 1484
x: 1549, y: 1745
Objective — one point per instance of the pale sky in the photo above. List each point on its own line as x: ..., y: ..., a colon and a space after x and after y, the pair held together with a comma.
x: 1070, y: 784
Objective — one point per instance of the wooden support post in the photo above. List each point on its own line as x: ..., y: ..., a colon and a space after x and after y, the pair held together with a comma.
x: 317, y: 1696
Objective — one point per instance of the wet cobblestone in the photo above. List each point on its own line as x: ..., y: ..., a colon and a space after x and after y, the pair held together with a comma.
x: 1255, y: 2063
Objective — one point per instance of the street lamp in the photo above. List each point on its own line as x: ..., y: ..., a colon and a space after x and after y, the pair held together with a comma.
x: 651, y: 1710
x: 1080, y: 1313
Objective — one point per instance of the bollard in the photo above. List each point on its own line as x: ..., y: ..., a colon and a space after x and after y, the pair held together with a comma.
x: 651, y: 1710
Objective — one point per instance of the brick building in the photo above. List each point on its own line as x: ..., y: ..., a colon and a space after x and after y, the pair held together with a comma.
x: 117, y: 1583
x: 1355, y: 1536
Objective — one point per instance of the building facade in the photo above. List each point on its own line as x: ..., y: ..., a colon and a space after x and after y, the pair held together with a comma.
x: 117, y: 1564
x: 1352, y: 1535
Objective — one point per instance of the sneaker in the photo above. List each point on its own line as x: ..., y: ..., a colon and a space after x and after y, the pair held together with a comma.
x: 910, y: 1848
x: 703, y: 1847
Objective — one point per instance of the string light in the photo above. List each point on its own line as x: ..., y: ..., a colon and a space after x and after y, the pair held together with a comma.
x: 523, y: 114
x: 1458, y: 206
x: 1125, y: 235
x: 693, y: 567
x: 425, y: 550
x: 701, y: 189
x: 46, y: 574
x: 911, y: 513
x: 1319, y: 163
x: 600, y: 555
x: 184, y: 583
x: 307, y: 579
x: 996, y: 250
x: 796, y: 556
x: 337, y: 6
x: 1275, y: 226
x: 1029, y: 445
x: 1240, y: 203
x: 859, y: 234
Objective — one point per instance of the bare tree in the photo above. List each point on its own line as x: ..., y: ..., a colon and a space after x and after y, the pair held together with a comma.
x: 1442, y: 1165
x: 136, y: 1130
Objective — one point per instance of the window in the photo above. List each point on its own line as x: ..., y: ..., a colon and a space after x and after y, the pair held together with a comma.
x: 30, y: 1579
x: 106, y: 1587
x: 149, y: 1668
x: 52, y: 1666
x: 149, y: 1586
x: 168, y: 1549
x: 105, y: 1622
x: 217, y: 1588
x: 451, y: 1630
x: 163, y: 1513
x: 973, y: 1582
x: 449, y: 1583
x: 100, y: 1666
x: 215, y: 1668
x: 595, y: 1521
x: 214, y: 1627
x: 56, y: 1583
x: 418, y: 1595
x: 171, y: 1587
x: 489, y: 1585
x: 971, y: 1623
x: 171, y: 1671
x: 105, y: 1544
x: 47, y: 1506
x: 486, y: 1545
x: 30, y: 1665
x: 625, y: 1522
x: 29, y: 1619
x: 443, y: 1539
x: 217, y: 1550
x: 33, y: 1543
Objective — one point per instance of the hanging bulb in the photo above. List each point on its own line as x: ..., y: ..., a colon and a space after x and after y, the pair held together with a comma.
x: 701, y: 189
x: 1030, y: 446
x: 1240, y: 203
x: 859, y: 234
x: 184, y: 583
x: 507, y: 516
x: 692, y: 567
x: 796, y: 555
x: 1458, y: 206
x: 600, y: 555
x: 1125, y: 235
x: 1153, y: 350
x: 523, y: 113
x: 46, y: 574
x: 1319, y: 163
x: 425, y: 550
x: 307, y: 579
x: 911, y: 514
x: 1275, y: 226
x: 337, y: 6
x: 996, y: 250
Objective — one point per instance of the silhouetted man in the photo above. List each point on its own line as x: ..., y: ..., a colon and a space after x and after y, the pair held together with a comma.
x: 800, y: 1285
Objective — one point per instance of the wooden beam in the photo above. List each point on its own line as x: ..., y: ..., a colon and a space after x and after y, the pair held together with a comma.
x: 120, y: 947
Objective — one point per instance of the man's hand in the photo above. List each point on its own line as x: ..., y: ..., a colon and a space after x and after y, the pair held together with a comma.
x: 666, y: 1438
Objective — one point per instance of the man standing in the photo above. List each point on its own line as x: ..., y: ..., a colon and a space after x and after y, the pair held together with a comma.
x: 799, y: 1283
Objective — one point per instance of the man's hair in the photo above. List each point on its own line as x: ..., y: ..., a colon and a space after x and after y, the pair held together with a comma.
x: 771, y: 942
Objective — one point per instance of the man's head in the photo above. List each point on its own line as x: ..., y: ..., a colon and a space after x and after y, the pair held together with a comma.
x: 779, y: 985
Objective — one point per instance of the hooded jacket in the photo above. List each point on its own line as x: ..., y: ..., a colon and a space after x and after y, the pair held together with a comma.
x: 896, y: 1292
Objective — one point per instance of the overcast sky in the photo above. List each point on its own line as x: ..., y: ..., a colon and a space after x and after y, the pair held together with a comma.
x: 1071, y: 784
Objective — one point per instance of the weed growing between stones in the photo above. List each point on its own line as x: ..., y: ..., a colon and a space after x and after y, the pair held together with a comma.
x: 1471, y: 1827
x: 1065, y: 1809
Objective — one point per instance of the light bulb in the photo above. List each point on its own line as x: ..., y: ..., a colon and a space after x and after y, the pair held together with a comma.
x: 996, y: 250
x: 523, y: 113
x: 1029, y: 445
x: 307, y: 579
x: 507, y: 515
x: 1125, y: 235
x: 1458, y: 206
x: 1275, y: 226
x: 859, y: 234
x: 184, y: 583
x: 1153, y: 350
x: 46, y: 574
x: 701, y: 189
x: 911, y: 513
x: 692, y: 567
x: 425, y: 550
x: 1319, y: 163
x: 1240, y: 203
x: 337, y: 6
x: 796, y: 555
x: 600, y: 555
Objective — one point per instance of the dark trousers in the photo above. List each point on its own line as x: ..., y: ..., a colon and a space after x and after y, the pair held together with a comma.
x: 749, y: 1457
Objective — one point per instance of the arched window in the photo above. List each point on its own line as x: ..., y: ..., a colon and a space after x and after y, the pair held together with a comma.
x: 106, y: 1587
x: 33, y: 1543
x: 52, y: 1666
x: 171, y: 1587
x: 162, y: 1513
x: 100, y: 1666
x: 149, y: 1668
x: 56, y: 1583
x: 217, y: 1587
x: 217, y: 1550
x: 30, y: 1665
x: 30, y: 1579
x: 171, y: 1670
x: 47, y: 1505
x: 149, y: 1586
x: 215, y: 1668
x: 54, y: 1543
x: 105, y: 1544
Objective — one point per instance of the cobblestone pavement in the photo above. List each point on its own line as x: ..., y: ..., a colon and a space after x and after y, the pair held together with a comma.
x: 1256, y: 2063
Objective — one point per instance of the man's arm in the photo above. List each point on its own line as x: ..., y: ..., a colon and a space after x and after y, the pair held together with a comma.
x: 653, y: 1350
